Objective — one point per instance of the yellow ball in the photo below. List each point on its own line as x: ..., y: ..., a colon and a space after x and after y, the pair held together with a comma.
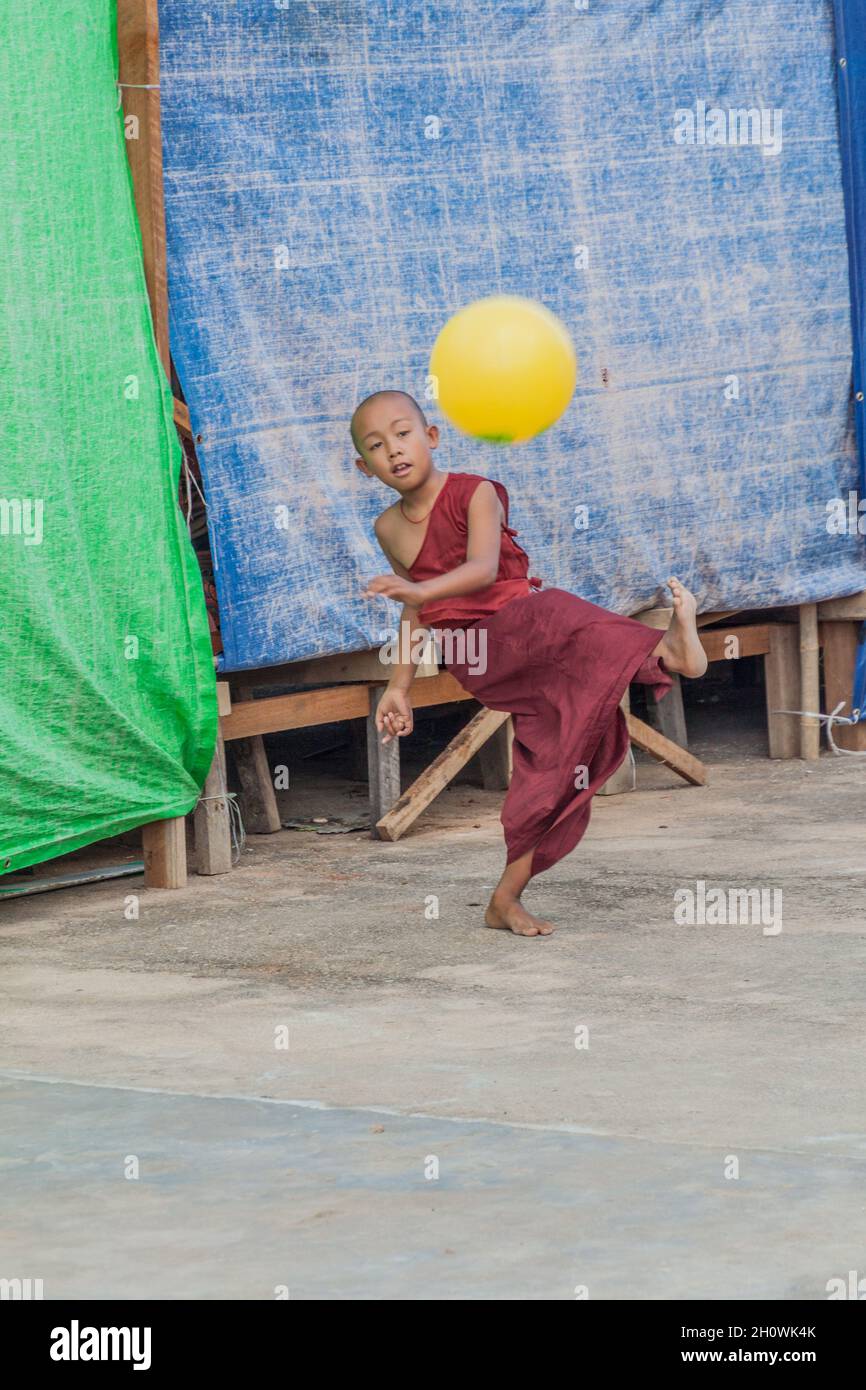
x: 505, y: 368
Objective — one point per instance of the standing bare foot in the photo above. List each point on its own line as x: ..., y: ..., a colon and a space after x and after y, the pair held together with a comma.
x: 509, y: 913
x: 681, y: 647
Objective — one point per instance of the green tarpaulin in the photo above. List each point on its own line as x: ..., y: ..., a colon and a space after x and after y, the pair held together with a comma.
x: 107, y: 693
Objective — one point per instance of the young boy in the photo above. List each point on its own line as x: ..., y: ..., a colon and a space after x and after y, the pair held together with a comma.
x: 557, y: 664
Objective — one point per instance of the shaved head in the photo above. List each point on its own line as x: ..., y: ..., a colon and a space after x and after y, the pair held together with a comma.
x: 397, y: 396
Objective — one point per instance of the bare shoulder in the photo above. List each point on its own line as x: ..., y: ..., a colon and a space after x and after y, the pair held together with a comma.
x: 385, y: 522
x: 485, y: 501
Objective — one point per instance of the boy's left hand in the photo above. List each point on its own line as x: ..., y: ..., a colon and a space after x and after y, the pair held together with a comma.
x: 395, y: 587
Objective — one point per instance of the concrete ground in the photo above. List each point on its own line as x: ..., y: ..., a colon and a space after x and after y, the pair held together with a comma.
x: 432, y: 1131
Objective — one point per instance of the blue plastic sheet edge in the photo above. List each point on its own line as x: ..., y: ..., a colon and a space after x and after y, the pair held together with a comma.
x: 850, y: 16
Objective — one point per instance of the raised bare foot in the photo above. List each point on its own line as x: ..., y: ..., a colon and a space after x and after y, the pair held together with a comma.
x: 510, y: 914
x: 681, y: 647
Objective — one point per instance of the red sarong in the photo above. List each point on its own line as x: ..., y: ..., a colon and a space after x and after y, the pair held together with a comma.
x: 560, y: 667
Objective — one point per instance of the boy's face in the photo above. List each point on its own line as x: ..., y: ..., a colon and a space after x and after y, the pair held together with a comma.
x: 395, y: 446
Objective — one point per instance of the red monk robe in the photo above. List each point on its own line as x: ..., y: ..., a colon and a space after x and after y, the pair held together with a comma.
x: 558, y: 664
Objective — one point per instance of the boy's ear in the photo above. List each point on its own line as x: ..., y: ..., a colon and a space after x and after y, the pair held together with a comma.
x: 362, y: 467
x: 433, y: 435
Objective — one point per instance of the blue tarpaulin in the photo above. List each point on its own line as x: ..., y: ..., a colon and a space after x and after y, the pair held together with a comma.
x: 667, y: 178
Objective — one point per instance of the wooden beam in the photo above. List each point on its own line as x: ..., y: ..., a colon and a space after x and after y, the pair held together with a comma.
x: 300, y: 711
x: 164, y: 843
x: 305, y: 708
x: 748, y: 641
x: 661, y: 617
x: 810, y: 687
x: 690, y: 768
x: 854, y: 606
x: 322, y: 670
x: 440, y: 772
x: 138, y: 63
x: 181, y: 417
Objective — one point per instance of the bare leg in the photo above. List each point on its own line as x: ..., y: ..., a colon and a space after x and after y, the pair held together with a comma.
x: 680, y: 648
x: 505, y: 908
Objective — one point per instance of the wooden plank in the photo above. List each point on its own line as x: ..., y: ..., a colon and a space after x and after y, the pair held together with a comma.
x: 661, y: 617
x: 224, y: 698
x: 383, y: 768
x: 321, y: 670
x: 854, y: 606
x: 839, y: 640
x: 677, y: 759
x: 213, y: 838
x: 782, y: 684
x: 181, y: 417
x: 749, y: 641
x: 438, y: 690
x: 300, y: 711
x: 164, y: 843
x: 437, y: 776
x: 138, y: 64
x: 810, y: 687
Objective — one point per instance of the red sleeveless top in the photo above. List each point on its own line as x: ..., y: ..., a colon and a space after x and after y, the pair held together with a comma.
x: 444, y: 548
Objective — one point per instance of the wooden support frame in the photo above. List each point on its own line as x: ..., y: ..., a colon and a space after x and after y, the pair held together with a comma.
x: 436, y: 777
x: 165, y: 850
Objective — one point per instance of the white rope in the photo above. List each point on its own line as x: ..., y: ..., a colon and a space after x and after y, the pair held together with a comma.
x: 830, y: 720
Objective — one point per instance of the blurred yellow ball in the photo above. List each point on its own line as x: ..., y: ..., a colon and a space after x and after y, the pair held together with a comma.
x: 505, y: 368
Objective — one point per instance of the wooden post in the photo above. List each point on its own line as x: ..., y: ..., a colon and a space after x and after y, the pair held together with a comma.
x: 138, y: 73
x: 810, y: 688
x: 496, y: 757
x: 839, y: 640
x: 138, y: 63
x: 782, y: 685
x: 258, y: 799
x: 668, y: 715
x: 213, y: 837
x: 383, y: 763
x: 625, y: 777
x: 164, y: 843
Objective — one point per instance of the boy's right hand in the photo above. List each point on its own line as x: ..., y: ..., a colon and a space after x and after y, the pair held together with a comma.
x: 394, y: 715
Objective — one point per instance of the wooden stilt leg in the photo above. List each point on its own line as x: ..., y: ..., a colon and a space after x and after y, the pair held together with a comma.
x: 258, y: 802
x: 625, y: 777
x: 213, y: 841
x: 810, y: 728
x: 164, y: 844
x: 495, y: 757
x: 782, y: 681
x: 839, y: 640
x: 383, y: 763
x: 667, y: 715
